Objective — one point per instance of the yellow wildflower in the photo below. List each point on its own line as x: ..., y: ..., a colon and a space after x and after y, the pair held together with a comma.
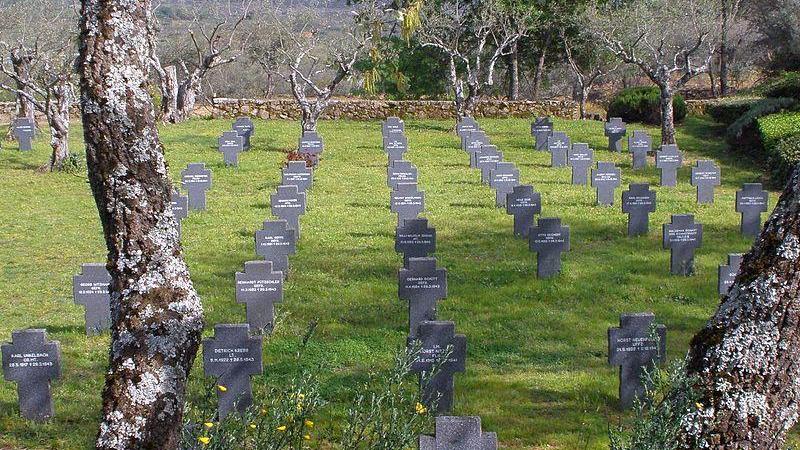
x: 309, y: 423
x: 699, y: 405
x: 208, y: 424
x: 307, y: 437
x: 282, y: 428
x: 253, y: 426
x: 204, y: 440
x: 421, y: 409
x: 221, y: 388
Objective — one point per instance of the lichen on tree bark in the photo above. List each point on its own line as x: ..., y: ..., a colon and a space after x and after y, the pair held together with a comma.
x: 156, y: 313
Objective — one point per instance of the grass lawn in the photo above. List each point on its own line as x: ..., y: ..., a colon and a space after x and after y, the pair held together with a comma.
x: 536, y: 364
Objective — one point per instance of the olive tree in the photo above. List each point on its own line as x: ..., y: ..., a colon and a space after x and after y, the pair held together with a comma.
x: 670, y: 42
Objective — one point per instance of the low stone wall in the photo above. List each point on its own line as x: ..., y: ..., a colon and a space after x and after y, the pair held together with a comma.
x: 362, y: 109
x: 698, y: 107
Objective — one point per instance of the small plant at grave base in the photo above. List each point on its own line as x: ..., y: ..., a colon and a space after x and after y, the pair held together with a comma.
x: 658, y: 415
x: 389, y: 414
x: 294, y: 155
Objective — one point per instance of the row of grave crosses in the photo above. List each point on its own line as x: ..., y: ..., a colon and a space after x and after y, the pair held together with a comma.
x: 236, y: 140
x: 440, y: 352
x: 234, y: 354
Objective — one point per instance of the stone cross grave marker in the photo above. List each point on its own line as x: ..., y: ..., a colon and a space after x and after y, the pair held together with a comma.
x: 296, y: 173
x: 24, y: 129
x: 472, y: 142
x: 289, y: 204
x: 523, y: 203
x: 503, y: 178
x: 407, y: 201
x: 488, y: 151
x: 244, y: 127
x: 232, y: 356
x: 635, y: 346
x: 275, y: 241
x: 705, y: 175
x: 639, y: 144
x: 259, y: 288
x: 32, y: 362
x: 605, y: 180
x: 727, y: 273
x: 638, y: 202
x: 466, y: 125
x: 91, y: 288
x: 414, y: 239
x: 557, y: 144
x: 180, y: 208
x: 395, y: 145
x: 486, y: 160
x: 615, y: 130
x: 580, y: 157
x: 400, y: 172
x: 668, y: 160
x: 541, y: 129
x: 548, y: 239
x: 751, y: 201
x: 310, y: 144
x: 392, y: 125
x: 440, y: 347
x: 196, y: 180
x: 682, y: 236
x: 458, y: 433
x: 230, y: 144
x: 422, y: 285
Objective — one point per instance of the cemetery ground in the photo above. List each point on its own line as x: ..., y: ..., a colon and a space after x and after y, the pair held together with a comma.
x: 537, y: 369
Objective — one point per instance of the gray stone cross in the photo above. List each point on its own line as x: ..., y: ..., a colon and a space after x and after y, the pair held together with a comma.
x: 639, y: 144
x: 230, y: 144
x: 751, y: 201
x: 458, y: 433
x: 636, y: 345
x: 275, y: 241
x: 24, y: 129
x: 180, y: 208
x: 523, y: 203
x: 196, y: 180
x: 298, y: 174
x: 668, y: 160
x: 232, y: 356
x: 486, y: 160
x: 407, y: 201
x: 244, y: 127
x: 259, y: 288
x: 548, y: 239
x: 32, y: 362
x: 727, y: 273
x: 289, y: 204
x: 440, y: 347
x: 580, y: 157
x: 311, y: 145
x: 400, y: 172
x: 503, y: 178
x: 91, y: 288
x: 605, y: 180
x: 422, y: 285
x: 615, y: 130
x: 705, y: 175
x: 392, y: 125
x: 466, y: 125
x: 472, y: 142
x: 541, y: 129
x: 414, y: 239
x: 395, y: 145
x: 682, y: 236
x: 638, y: 202
x: 557, y: 144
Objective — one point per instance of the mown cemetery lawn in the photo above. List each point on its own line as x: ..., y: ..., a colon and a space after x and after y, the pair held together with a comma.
x: 537, y: 372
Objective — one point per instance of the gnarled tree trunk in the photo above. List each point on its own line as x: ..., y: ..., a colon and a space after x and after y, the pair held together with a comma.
x: 21, y: 59
x: 58, y: 120
x: 667, y: 115
x: 746, y: 357
x: 169, y: 94
x: 513, y: 71
x: 156, y: 313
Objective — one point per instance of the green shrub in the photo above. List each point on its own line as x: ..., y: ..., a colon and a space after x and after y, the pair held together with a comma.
x: 780, y: 140
x: 786, y: 85
x: 728, y: 110
x: 744, y: 131
x: 643, y: 104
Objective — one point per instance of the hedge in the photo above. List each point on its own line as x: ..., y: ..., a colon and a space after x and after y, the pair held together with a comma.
x: 728, y: 110
x: 643, y: 104
x: 780, y: 138
x: 743, y: 131
x: 785, y: 85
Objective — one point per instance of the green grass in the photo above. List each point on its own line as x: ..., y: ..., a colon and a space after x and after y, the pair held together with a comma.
x: 536, y: 367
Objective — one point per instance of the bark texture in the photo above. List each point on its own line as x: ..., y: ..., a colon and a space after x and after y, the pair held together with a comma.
x: 60, y: 97
x: 156, y: 313
x: 746, y: 357
x: 21, y: 58
x: 667, y: 115
x: 513, y: 72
